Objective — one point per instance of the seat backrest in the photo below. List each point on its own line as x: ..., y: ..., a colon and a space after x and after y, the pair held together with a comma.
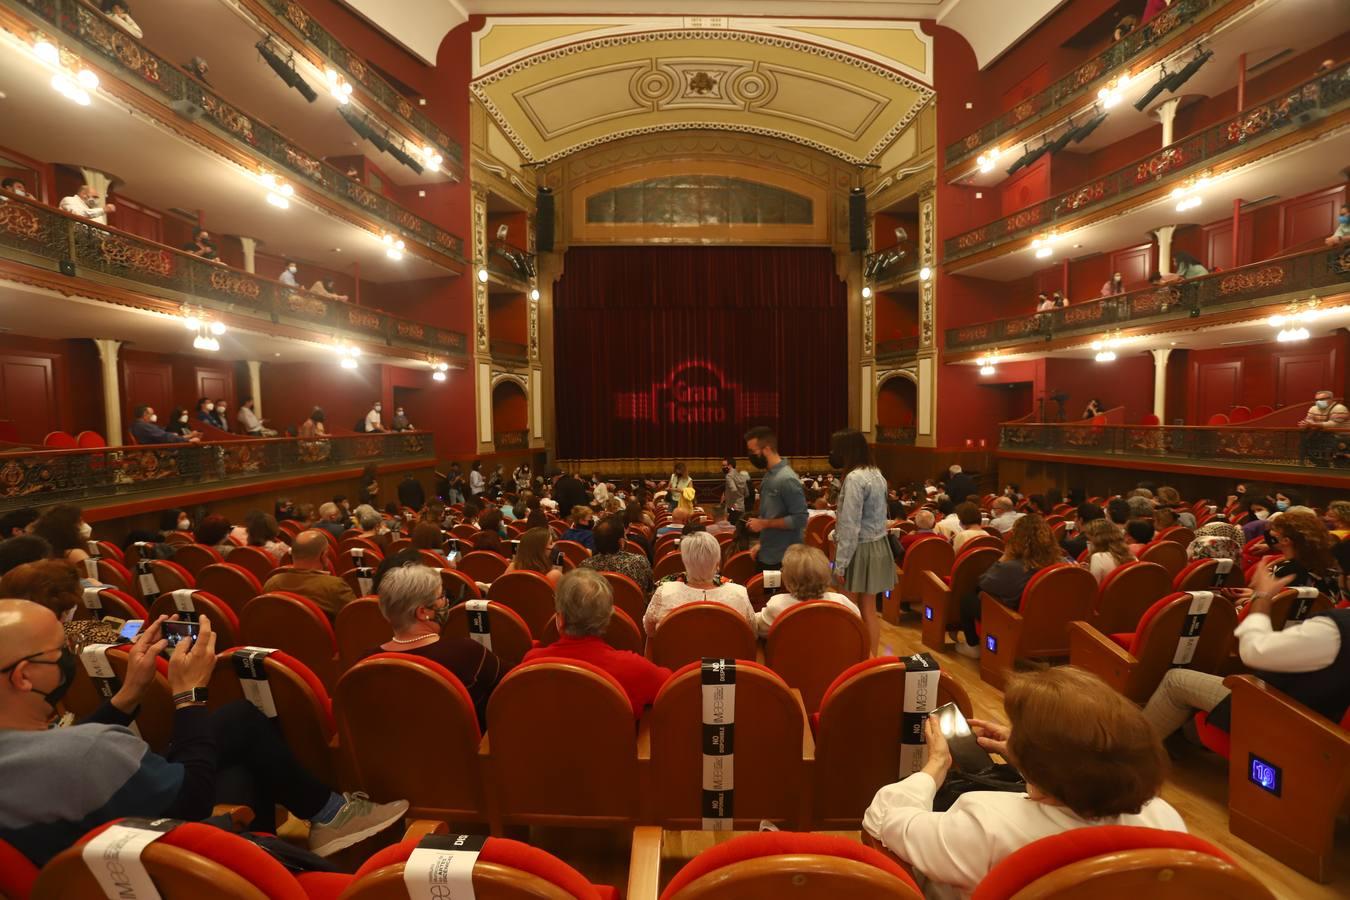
x: 155, y: 719
x: 574, y: 551
x: 508, y: 633
x: 530, y: 594
x: 1203, y: 575
x: 360, y: 627
x: 696, y: 630
x: 1178, y: 534
x: 1239, y: 414
x: 1150, y: 419
x: 113, y: 572
x: 459, y: 586
x: 671, y: 563
x: 1118, y: 861
x: 482, y: 565
x: 223, y: 620
x: 628, y: 596
x: 361, y: 581
x: 233, y: 584
x: 357, y: 553
x: 296, y: 625
x: 112, y: 602
x: 1295, y: 605
x: 980, y: 540
x: 769, y: 728
x: 929, y: 554
x: 90, y: 440
x: 464, y: 532
x: 1126, y: 593
x: 1168, y: 554
x: 1217, y: 419
x: 811, y: 643
x: 534, y: 717
x: 740, y: 567
x: 389, y: 702
x: 504, y: 870
x: 1170, y: 623
x: 59, y: 440
x: 970, y: 564
x: 1054, y: 597
x: 171, y: 576
x: 622, y: 634
x: 195, y: 557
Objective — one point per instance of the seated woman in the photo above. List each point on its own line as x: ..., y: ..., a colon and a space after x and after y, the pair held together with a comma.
x: 1338, y: 519
x: 216, y: 532
x: 57, y: 586
x: 490, y: 524
x: 1139, y: 533
x: 179, y: 424
x: 580, y: 529
x: 371, y: 524
x: 1030, y: 547
x: 1216, y: 540
x: 1304, y: 545
x: 585, y: 604
x: 428, y: 536
x: 1108, y: 548
x: 700, y: 581
x: 806, y: 576
x: 63, y: 527
x: 412, y: 601
x: 610, y: 556
x: 533, y: 554
x: 1089, y: 758
x: 262, y: 533
x: 1170, y: 497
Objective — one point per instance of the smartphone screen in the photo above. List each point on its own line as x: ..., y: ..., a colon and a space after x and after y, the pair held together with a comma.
x: 558, y: 558
x: 967, y: 754
x: 174, y: 631
x: 131, y: 629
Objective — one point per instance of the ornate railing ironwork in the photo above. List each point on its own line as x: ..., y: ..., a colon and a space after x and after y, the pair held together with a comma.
x: 1251, y: 285
x: 510, y: 261
x: 903, y: 435
x: 1210, y: 444
x: 356, y: 68
x: 1087, y: 77
x: 890, y: 264
x: 511, y: 440
x: 1318, y: 97
x: 48, y: 476
x: 166, y: 82
x: 509, y: 351
x: 898, y: 347
x: 35, y: 234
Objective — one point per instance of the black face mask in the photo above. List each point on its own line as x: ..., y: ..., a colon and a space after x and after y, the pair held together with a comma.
x: 65, y: 664
x: 759, y: 461
x: 836, y: 461
x: 726, y: 469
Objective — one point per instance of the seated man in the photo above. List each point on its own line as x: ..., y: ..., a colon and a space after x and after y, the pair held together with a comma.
x: 61, y: 782
x: 585, y: 604
x: 330, y: 520
x: 924, y: 520
x: 678, y: 518
x: 307, y: 576
x: 145, y: 431
x: 1004, y: 515
x: 610, y: 556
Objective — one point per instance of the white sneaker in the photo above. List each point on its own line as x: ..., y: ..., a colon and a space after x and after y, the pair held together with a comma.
x: 358, y: 819
x: 965, y: 649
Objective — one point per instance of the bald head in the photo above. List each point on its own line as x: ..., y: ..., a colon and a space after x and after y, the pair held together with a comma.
x: 31, y: 638
x: 27, y: 628
x: 308, y: 547
x: 680, y: 514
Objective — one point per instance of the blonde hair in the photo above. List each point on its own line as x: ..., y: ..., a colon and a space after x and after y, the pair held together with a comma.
x: 1105, y: 537
x: 806, y: 572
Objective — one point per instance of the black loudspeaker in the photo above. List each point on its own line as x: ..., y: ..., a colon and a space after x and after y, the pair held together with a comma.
x: 67, y: 267
x: 857, y: 220
x: 543, y: 220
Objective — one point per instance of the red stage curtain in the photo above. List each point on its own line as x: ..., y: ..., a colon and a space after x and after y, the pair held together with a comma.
x: 675, y: 351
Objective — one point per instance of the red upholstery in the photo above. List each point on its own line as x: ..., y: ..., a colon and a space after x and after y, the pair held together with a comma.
x: 1150, y: 419
x: 58, y: 440
x: 17, y: 874
x: 1239, y: 414
x: 1131, y: 640
x: 1215, y: 739
x: 455, y: 684
x: 307, y: 676
x: 132, y: 605
x: 1259, y: 411
x: 1218, y: 419
x: 513, y: 855
x: 90, y: 440
x: 778, y: 843
x: 1019, y: 869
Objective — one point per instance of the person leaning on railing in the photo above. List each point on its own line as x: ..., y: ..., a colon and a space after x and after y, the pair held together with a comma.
x: 1327, y: 414
x: 145, y: 431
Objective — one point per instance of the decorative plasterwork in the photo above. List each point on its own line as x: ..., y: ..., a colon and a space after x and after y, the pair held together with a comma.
x: 909, y: 373
x: 557, y: 90
x: 868, y: 316
x: 927, y: 298
x: 480, y: 289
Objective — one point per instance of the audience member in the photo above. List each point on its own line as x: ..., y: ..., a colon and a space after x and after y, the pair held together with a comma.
x: 197, y: 67
x: 371, y: 524
x: 1075, y: 541
x: 21, y: 549
x: 308, y: 577
x: 678, y: 518
x: 313, y: 426
x: 15, y: 187
x: 1093, y: 409
x: 117, y: 11
x: 1338, y: 519
x: 63, y: 527
x: 961, y: 485
x: 145, y: 431
x: 249, y: 423
x: 700, y: 581
x: 477, y: 484
x: 1118, y: 511
x: 400, y: 421
x: 263, y: 534
x: 326, y: 287
x: 1140, y: 533
x: 968, y: 515
x: 1089, y: 758
x: 580, y: 529
x: 1216, y: 540
x: 1342, y: 232
x: 1114, y: 286
x: 84, y: 203
x: 948, y: 522
x: 1170, y: 498
x: 610, y: 556
x: 201, y: 245
x: 735, y: 485
x: 330, y: 520
x: 677, y: 484
x: 1184, y: 265
x: 863, y: 563
x: 180, y: 423
x: 924, y: 520
x: 1304, y: 545
x: 215, y: 532
x: 1030, y: 547
x: 18, y: 521
x: 287, y: 276
x: 533, y: 554
x: 1109, y: 549
x: 782, y: 504
x: 1004, y: 514
x: 806, y: 577
x: 57, y: 586
x: 719, y: 523
x: 369, y: 494
x: 585, y: 605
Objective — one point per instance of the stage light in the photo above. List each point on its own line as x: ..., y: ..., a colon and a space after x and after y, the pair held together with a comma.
x: 925, y: 273
x: 534, y: 294
x: 1183, y: 75
x: 1062, y: 141
x: 483, y: 275
x: 87, y: 79
x: 866, y: 292
x: 1152, y: 93
x: 46, y: 51
x: 1082, y: 131
x: 285, y: 69
x: 438, y: 376
x: 217, y: 328
x: 402, y: 156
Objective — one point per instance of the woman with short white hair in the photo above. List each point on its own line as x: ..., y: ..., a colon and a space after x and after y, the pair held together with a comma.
x: 702, y: 555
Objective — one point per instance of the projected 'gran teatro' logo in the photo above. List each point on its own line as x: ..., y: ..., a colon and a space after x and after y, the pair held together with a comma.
x: 696, y: 392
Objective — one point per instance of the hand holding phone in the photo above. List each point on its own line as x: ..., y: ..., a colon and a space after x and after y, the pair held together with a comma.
x: 966, y: 752
x: 175, y: 631
x: 992, y: 736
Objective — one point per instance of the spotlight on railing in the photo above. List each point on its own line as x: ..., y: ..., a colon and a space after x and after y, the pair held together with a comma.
x: 285, y: 69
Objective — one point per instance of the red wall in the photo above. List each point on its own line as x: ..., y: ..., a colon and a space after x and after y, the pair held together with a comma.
x: 895, y: 403
x: 509, y: 409
x: 1263, y: 374
x: 897, y: 315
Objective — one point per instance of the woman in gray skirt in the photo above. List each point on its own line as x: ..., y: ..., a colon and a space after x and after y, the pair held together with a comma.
x: 862, y: 558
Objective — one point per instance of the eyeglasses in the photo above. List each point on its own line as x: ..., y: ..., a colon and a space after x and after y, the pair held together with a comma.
x: 32, y: 657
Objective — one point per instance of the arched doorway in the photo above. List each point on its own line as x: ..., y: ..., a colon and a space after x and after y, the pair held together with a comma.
x: 897, y: 401
x: 510, y: 415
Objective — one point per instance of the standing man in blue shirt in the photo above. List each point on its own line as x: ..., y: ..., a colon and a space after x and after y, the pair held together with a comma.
x: 782, y: 503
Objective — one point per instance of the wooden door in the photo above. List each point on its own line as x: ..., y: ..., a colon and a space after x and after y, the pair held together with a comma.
x: 1217, y: 388
x: 1134, y: 264
x: 216, y: 383
x: 28, y: 395
x: 146, y: 382
x: 1299, y: 376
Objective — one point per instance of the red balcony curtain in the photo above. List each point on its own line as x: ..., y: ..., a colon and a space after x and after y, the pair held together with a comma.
x: 675, y: 351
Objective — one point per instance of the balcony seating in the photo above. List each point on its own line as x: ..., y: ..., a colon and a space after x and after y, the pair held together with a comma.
x: 942, y: 596
x: 459, y: 586
x: 534, y: 717
x: 575, y: 552
x: 195, y: 557
x: 360, y: 627
x: 529, y: 594
x: 1203, y: 575
x: 296, y: 625
x: 59, y: 440
x: 1218, y: 419
x: 483, y: 565
x: 1262, y: 411
x: 90, y: 440
x: 392, y: 701
x: 1054, y: 597
x: 858, y: 735
x: 1239, y: 414
x: 1135, y: 662
x: 1126, y: 593
x: 772, y: 738
x: 696, y: 630
x: 811, y: 643
x: 223, y: 620
x: 623, y: 633
x: 1168, y: 554
x: 741, y: 567
x: 1150, y: 420
x: 1120, y: 861
x: 929, y: 554
x: 233, y: 584
x: 509, y: 632
x: 628, y: 596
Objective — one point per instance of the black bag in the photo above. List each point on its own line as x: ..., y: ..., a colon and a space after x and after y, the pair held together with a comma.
x: 1000, y: 777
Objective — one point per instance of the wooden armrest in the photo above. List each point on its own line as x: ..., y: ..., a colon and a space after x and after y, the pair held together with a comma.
x: 240, y: 816
x: 484, y: 748
x: 1101, y: 656
x: 644, y: 740
x: 644, y: 868
x: 931, y: 581
x: 420, y: 828
x: 994, y: 614
x: 808, y: 739
x: 1248, y: 689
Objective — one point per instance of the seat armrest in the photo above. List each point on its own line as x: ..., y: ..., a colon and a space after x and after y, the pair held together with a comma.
x: 420, y: 828
x: 808, y: 737
x: 240, y: 816
x: 1103, y: 657
x: 644, y: 867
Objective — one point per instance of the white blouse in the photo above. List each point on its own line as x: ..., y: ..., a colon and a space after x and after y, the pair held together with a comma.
x: 671, y: 595
x: 781, y: 603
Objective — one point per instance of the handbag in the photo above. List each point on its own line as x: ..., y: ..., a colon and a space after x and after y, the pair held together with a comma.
x: 999, y: 777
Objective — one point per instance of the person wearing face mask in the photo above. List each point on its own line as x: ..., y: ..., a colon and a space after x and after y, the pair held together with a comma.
x: 1326, y: 416
x: 248, y: 420
x: 735, y: 485
x: 412, y: 601
x: 1114, y: 286
x: 782, y: 502
x: 1259, y: 509
x: 400, y: 421
x: 863, y: 564
x: 145, y: 431
x: 180, y: 423
x: 13, y: 186
x: 1342, y: 232
x: 85, y: 204
x: 288, y: 275
x: 375, y: 419
x: 219, y: 414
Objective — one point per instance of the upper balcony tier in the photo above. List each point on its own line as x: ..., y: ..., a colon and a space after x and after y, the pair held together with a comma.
x: 168, y: 105
x: 1286, y: 144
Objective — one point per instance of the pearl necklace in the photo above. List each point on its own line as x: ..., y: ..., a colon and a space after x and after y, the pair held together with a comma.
x: 422, y: 637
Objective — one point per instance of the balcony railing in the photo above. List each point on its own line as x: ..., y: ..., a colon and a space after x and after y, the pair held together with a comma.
x: 509, y: 351
x: 510, y: 261
x: 49, y: 476
x: 890, y: 264
x: 1251, y: 285
x: 898, y: 348
x: 1087, y: 77
x: 903, y: 435
x: 1233, y: 445
x: 1320, y: 96
x: 114, y: 47
x: 34, y: 234
x: 355, y: 68
x: 511, y: 440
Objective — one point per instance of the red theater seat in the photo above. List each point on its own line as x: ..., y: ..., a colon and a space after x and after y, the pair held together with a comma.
x: 233, y: 584
x: 622, y: 634
x: 1054, y: 597
x: 90, y: 440
x: 1168, y: 554
x: 926, y: 555
x: 223, y: 620
x: 942, y: 596
x: 17, y: 874
x: 483, y: 566
x: 811, y: 643
x: 1126, y: 593
x: 459, y: 586
x: 529, y: 594
x: 360, y: 627
x: 195, y: 557
x: 628, y: 595
x: 510, y: 634
x: 255, y: 560
x: 1203, y: 575
x: 295, y: 624
x: 59, y: 440
x: 700, y: 629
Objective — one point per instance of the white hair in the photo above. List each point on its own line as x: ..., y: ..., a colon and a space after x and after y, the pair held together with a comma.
x: 367, y: 516
x: 586, y: 603
x: 406, y: 589
x: 925, y: 519
x: 701, y: 554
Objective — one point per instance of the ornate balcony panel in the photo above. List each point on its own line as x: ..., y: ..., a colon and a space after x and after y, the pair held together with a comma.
x: 509, y: 352
x: 898, y: 349
x: 1325, y: 94
x: 115, y: 48
x: 903, y: 435
x: 1251, y: 285
x: 1088, y: 76
x: 90, y: 476
x: 34, y: 234
x: 511, y: 440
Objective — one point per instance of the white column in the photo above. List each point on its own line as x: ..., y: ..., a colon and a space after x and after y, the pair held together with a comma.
x: 1164, y: 235
x: 112, y: 399
x: 255, y: 384
x: 250, y: 246
x: 1167, y: 113
x: 1160, y: 383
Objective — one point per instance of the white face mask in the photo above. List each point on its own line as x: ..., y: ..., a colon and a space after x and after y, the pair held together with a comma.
x: 1323, y: 404
x: 18, y: 189
x: 1262, y: 513
x: 154, y: 418
x: 85, y: 531
x: 220, y: 409
x: 291, y: 269
x: 184, y: 524
x: 398, y: 412
x: 182, y: 418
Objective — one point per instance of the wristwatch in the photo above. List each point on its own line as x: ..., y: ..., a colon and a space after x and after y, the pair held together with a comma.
x: 193, y: 696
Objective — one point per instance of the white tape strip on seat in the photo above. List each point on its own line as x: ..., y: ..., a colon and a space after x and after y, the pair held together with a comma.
x: 921, y: 685
x: 480, y: 624
x: 182, y: 600
x: 249, y: 666
x: 1191, y: 627
x: 365, y: 579
x: 93, y: 601
x: 95, y: 659
x: 1223, y: 568
x: 1303, y: 603
x: 719, y: 743
x: 145, y: 575
x: 114, y: 858
x: 441, y: 867
x: 773, y: 580
x: 91, y: 563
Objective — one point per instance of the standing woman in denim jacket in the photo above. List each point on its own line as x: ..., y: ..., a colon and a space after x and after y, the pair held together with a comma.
x: 863, y: 563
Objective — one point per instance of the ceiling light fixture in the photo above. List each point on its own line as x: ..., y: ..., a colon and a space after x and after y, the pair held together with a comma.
x: 534, y: 294
x: 1110, y: 94
x: 338, y: 86
x: 393, y: 246
x: 987, y: 363
x: 925, y: 273
x: 348, y: 354
x: 46, y: 51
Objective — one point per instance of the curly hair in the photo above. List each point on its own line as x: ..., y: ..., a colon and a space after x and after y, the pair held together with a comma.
x: 1031, y: 543
x: 1309, y: 538
x: 1106, y: 537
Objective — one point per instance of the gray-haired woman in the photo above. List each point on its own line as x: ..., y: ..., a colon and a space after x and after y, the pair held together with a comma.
x: 700, y: 581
